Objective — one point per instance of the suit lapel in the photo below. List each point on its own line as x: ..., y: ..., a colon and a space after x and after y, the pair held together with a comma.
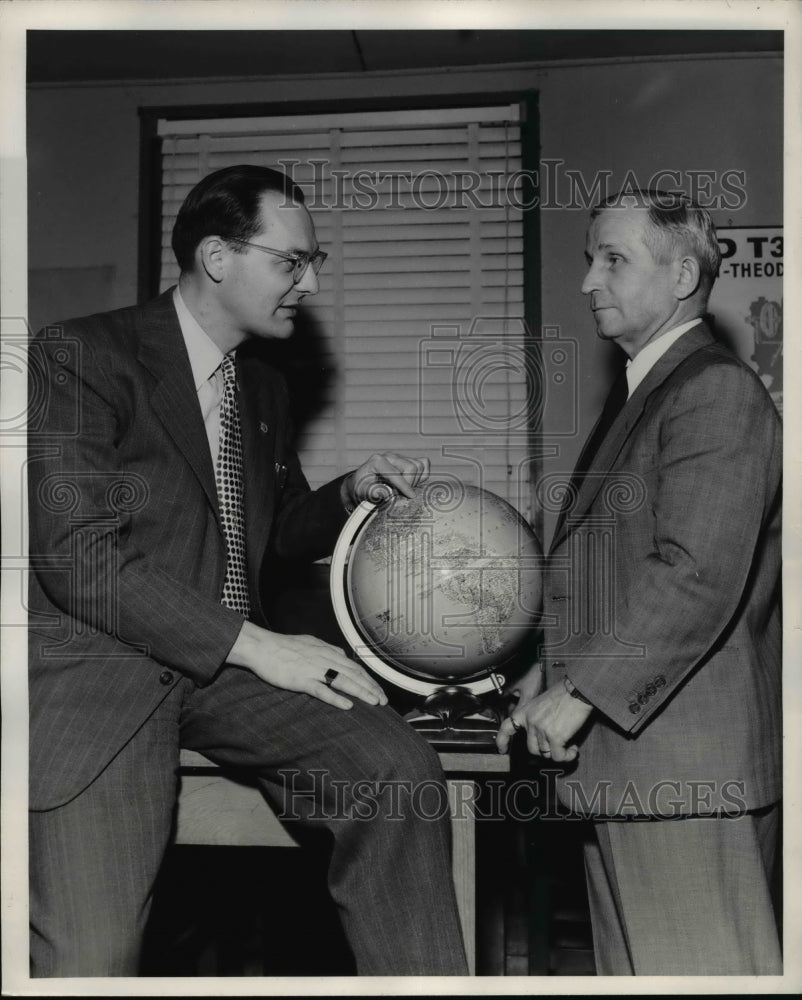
x: 174, y: 398
x: 604, y: 462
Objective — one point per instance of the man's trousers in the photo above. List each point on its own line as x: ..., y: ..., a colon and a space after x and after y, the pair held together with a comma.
x: 684, y: 896
x: 361, y: 773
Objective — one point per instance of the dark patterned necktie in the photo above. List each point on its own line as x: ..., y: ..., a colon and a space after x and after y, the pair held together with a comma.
x: 612, y: 407
x: 230, y: 494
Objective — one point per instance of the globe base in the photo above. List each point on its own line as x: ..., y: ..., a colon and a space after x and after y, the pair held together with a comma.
x: 454, y: 718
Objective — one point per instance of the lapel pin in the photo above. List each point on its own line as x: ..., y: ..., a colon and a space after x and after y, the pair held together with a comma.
x: 263, y: 426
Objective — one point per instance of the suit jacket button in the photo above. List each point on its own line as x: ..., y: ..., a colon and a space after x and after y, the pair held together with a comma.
x: 651, y: 690
x: 660, y: 681
x: 634, y: 708
x: 166, y: 677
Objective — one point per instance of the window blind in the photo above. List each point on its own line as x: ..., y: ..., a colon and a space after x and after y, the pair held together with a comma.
x: 419, y: 318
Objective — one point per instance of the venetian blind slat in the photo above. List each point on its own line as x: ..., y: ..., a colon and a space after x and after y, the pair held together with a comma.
x: 424, y: 356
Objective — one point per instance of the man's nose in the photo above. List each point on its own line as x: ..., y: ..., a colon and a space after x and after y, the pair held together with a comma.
x: 592, y: 281
x: 309, y: 283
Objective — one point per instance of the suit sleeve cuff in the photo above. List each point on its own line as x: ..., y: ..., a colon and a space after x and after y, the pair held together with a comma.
x: 346, y: 496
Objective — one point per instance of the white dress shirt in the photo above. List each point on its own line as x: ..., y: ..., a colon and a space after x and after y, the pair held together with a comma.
x: 205, y: 358
x: 643, y: 362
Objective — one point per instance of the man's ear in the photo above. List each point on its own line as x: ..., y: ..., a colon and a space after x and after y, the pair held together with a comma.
x: 211, y: 254
x: 688, y: 277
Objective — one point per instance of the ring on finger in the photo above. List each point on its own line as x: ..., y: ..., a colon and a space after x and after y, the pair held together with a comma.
x: 330, y: 675
x: 545, y: 753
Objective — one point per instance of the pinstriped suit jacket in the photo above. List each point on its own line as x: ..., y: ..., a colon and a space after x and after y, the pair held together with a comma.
x: 126, y: 547
x: 663, y: 586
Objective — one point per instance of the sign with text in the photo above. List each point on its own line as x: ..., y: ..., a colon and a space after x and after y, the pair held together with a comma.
x: 747, y: 300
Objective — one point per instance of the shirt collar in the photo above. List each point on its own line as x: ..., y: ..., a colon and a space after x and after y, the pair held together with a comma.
x: 205, y: 357
x: 643, y: 362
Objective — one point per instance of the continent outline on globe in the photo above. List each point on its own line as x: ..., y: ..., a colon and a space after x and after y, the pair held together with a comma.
x: 439, y: 589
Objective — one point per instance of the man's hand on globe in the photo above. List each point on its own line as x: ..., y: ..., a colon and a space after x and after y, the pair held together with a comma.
x: 386, y: 469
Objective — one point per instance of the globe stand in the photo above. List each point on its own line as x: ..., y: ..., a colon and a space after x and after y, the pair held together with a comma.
x: 453, y: 718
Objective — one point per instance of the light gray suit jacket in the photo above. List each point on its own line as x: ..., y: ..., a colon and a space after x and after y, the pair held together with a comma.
x: 662, y: 595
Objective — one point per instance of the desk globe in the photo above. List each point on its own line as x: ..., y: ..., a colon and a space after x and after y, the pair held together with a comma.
x: 436, y: 594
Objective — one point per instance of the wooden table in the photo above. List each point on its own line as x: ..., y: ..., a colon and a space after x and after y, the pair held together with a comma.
x: 215, y: 808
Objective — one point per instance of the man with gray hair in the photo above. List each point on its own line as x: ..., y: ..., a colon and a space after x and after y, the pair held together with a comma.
x: 659, y: 690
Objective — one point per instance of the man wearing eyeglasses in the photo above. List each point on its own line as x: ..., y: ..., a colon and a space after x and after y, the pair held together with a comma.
x: 162, y: 479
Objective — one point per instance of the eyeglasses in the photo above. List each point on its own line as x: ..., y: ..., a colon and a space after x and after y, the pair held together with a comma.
x: 300, y: 261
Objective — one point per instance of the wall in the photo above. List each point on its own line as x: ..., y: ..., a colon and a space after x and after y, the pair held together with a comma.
x: 679, y: 114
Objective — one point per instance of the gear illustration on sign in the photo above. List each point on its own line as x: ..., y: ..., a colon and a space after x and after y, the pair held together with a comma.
x: 766, y: 319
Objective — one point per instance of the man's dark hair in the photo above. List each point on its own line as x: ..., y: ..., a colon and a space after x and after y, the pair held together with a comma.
x: 678, y: 225
x: 227, y: 204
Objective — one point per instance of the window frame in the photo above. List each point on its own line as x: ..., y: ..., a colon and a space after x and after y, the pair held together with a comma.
x: 150, y: 192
